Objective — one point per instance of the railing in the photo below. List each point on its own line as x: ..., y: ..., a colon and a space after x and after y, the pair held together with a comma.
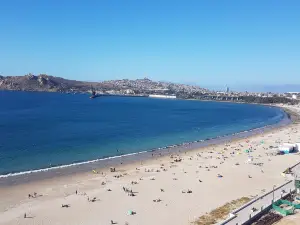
x: 245, y: 214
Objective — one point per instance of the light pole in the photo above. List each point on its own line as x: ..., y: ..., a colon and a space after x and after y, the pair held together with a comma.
x: 273, y: 193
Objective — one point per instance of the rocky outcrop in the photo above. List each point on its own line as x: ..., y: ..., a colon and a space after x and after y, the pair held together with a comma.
x: 45, y: 82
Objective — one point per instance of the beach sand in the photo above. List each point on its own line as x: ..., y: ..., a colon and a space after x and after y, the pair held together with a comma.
x: 290, y: 220
x: 160, y: 186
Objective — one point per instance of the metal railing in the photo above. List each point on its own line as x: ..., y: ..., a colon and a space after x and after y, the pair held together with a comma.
x: 261, y: 204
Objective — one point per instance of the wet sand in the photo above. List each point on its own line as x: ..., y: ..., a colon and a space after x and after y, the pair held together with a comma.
x: 173, y: 190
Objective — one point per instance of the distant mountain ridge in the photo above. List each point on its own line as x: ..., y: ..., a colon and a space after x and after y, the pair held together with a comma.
x: 48, y: 83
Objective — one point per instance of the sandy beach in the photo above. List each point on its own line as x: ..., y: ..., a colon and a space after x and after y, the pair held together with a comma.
x: 169, y: 190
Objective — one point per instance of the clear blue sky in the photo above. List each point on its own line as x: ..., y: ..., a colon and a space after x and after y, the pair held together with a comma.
x: 205, y: 42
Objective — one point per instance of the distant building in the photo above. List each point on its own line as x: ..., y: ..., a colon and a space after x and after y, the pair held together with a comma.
x: 294, y: 96
x: 162, y: 96
x: 128, y: 91
x: 227, y: 89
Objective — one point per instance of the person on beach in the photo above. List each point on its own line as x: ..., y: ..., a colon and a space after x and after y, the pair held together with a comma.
x: 25, y: 215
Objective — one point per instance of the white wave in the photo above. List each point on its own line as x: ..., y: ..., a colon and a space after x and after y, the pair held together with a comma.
x: 68, y: 165
x: 130, y: 154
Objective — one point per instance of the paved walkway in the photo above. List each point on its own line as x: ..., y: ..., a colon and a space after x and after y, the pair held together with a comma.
x: 244, y: 213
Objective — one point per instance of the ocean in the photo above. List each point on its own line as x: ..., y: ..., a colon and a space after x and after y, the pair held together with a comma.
x: 42, y: 130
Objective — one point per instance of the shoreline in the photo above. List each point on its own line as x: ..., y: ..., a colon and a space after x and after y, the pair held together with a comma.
x: 213, y: 175
x: 289, y: 117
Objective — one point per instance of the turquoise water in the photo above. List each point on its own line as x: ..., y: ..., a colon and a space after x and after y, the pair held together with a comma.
x: 40, y: 130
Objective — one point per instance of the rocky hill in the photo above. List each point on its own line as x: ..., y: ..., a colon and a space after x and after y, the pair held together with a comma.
x: 48, y: 83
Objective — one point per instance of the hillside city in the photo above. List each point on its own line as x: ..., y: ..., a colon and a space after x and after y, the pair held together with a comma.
x: 139, y: 87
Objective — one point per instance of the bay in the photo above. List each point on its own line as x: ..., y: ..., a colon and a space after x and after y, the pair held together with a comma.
x: 40, y: 130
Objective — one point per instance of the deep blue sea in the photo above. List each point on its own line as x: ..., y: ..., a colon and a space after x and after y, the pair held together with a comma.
x: 39, y: 130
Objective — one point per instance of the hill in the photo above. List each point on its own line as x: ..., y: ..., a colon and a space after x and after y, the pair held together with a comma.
x: 48, y: 83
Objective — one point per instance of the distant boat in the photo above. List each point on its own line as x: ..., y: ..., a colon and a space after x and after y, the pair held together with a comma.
x: 94, y: 95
